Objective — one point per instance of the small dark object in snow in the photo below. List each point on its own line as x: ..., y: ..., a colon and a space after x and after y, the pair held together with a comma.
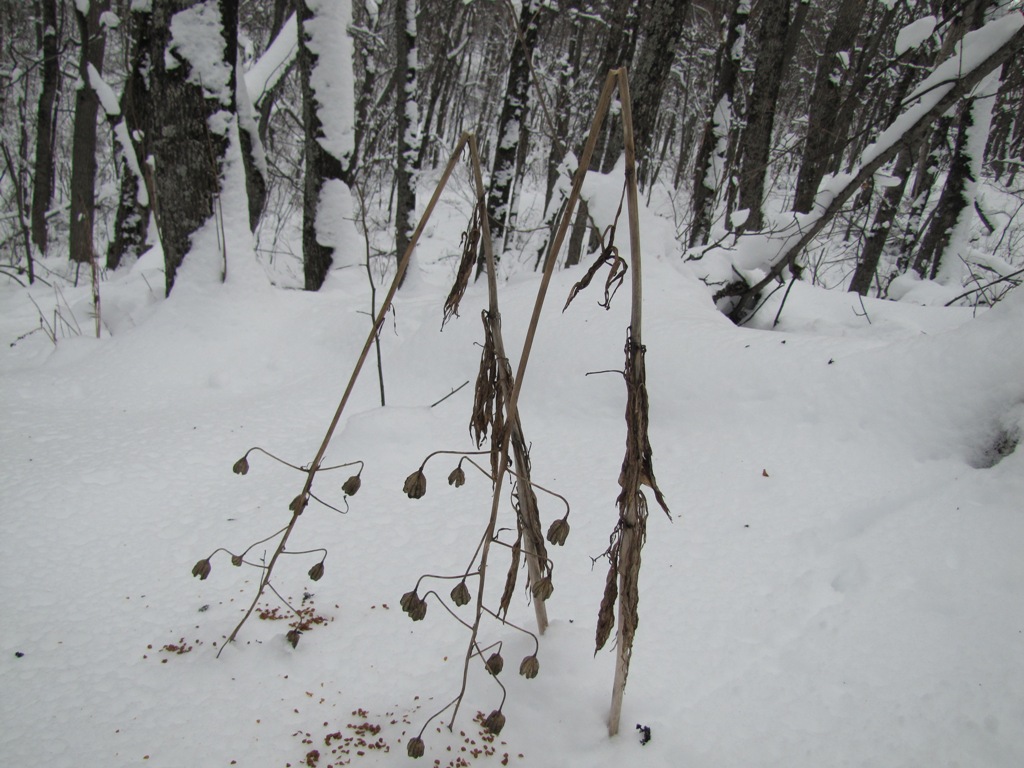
x: 204, y: 608
x: 830, y: 361
x: 19, y: 654
x: 645, y: 733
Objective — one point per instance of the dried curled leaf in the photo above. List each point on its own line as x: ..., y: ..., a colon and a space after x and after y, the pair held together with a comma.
x: 529, y: 667
x: 460, y: 595
x: 495, y: 664
x: 495, y: 722
x: 298, y: 504
x: 510, y: 579
x: 241, y: 466
x: 542, y: 589
x: 457, y: 477
x: 470, y: 242
x: 351, y: 486
x: 293, y: 637
x: 317, y: 571
x: 606, y: 613
x: 558, y: 532
x: 201, y: 569
x: 415, y: 485
x: 415, y: 748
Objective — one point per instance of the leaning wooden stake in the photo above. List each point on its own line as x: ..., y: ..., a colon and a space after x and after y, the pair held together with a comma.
x: 300, y: 502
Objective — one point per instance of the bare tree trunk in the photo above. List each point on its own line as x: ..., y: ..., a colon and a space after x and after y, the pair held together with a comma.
x: 660, y: 30
x: 867, y: 265
x: 42, y: 189
x: 83, y: 152
x: 757, y: 136
x: 824, y: 132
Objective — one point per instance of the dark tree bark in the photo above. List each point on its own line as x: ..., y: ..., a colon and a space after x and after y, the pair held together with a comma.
x: 406, y: 125
x: 185, y: 151
x: 568, y: 75
x: 824, y: 132
x: 83, y: 151
x: 716, y: 129
x: 131, y: 224
x: 951, y: 202
x: 660, y: 31
x: 867, y: 264
x: 282, y: 10
x: 513, y: 113
x: 321, y: 165
x: 1008, y: 112
x: 42, y: 190
x: 757, y: 136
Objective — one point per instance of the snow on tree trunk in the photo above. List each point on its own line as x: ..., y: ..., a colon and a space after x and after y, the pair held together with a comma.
x: 950, y: 263
x: 42, y: 190
x: 513, y: 111
x: 709, y: 170
x: 325, y: 67
x: 407, y: 127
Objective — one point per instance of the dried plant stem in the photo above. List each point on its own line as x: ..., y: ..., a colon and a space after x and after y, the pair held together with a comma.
x: 535, y: 549
x: 314, y: 466
x: 636, y: 466
x: 531, y: 332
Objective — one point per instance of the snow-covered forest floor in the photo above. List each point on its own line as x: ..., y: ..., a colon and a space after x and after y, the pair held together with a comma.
x: 841, y: 584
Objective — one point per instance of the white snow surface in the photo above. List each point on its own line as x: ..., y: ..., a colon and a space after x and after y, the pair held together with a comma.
x: 840, y: 586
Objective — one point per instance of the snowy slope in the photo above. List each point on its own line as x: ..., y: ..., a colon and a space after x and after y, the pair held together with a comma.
x: 840, y: 586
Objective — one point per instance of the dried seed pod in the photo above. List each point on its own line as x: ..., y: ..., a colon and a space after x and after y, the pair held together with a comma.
x: 460, y: 595
x: 558, y: 532
x: 351, y: 486
x: 457, y: 477
x: 529, y: 668
x: 298, y: 504
x: 495, y: 722
x: 241, y: 466
x: 415, y: 485
x: 418, y: 610
x: 293, y: 637
x: 495, y: 664
x: 408, y: 600
x: 415, y: 748
x: 317, y: 571
x: 542, y: 589
x: 201, y: 569
x: 236, y: 560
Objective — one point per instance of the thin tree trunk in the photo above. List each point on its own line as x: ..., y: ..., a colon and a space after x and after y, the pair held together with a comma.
x: 42, y: 190
x: 407, y: 124
x: 661, y: 29
x: 709, y: 167
x: 757, y: 136
x: 824, y: 132
x: 83, y: 152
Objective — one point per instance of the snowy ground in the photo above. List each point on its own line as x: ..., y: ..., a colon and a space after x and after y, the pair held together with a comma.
x: 841, y: 585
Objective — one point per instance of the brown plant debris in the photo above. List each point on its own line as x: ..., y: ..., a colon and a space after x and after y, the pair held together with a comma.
x: 470, y: 243
x: 616, y: 274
